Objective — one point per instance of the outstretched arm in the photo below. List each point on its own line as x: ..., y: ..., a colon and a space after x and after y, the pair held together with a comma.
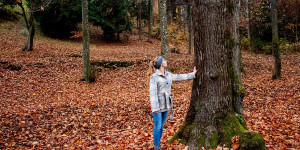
x: 182, y: 77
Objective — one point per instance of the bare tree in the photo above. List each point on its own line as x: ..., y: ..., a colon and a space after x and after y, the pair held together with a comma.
x: 140, y: 19
x: 296, y: 32
x: 163, y: 28
x: 238, y: 89
x: 247, y: 19
x: 85, y: 43
x: 30, y: 22
x: 275, y: 42
x: 149, y: 20
x: 31, y: 29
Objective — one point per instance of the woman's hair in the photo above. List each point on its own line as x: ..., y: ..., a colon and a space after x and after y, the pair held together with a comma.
x: 151, y: 67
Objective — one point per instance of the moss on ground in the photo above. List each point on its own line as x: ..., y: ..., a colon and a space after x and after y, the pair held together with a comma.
x: 227, y: 127
x: 251, y: 141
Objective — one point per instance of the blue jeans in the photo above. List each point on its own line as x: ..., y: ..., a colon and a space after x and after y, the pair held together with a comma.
x: 159, y: 121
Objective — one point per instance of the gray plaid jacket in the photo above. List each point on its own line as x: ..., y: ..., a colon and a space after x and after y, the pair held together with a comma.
x: 160, y: 89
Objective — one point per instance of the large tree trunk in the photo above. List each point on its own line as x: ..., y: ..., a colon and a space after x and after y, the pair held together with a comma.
x: 30, y: 27
x: 163, y: 28
x: 86, y: 39
x: 248, y: 22
x: 275, y: 42
x: 238, y: 89
x: 211, y: 119
x: 190, y: 22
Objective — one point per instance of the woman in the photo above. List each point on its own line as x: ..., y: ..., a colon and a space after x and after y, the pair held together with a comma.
x: 161, y: 98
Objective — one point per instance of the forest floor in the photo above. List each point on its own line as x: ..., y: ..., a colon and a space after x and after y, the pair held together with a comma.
x: 44, y: 105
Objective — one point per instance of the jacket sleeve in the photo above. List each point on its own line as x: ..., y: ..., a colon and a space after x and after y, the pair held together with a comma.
x: 182, y: 77
x: 153, y: 94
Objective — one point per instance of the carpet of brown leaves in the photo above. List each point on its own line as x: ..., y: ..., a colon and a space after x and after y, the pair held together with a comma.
x: 44, y: 105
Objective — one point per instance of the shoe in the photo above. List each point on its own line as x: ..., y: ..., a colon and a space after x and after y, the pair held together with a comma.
x: 156, y: 147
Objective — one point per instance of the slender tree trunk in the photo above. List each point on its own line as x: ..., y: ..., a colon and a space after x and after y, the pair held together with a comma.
x: 29, y: 42
x: 85, y: 43
x: 24, y: 14
x: 296, y: 38
x: 190, y: 22
x: 30, y: 27
x: 248, y: 23
x: 211, y: 119
x: 140, y: 20
x: 169, y: 11
x: 137, y: 22
x: 163, y: 28
x: 179, y: 18
x: 149, y: 20
x: 184, y: 18
x: 275, y: 41
x: 152, y: 14
x: 238, y: 89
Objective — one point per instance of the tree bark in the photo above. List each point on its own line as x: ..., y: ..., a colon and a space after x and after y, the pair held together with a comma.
x: 248, y: 22
x: 184, y: 18
x: 190, y: 22
x: 30, y: 27
x: 163, y: 28
x: 85, y: 43
x: 211, y: 118
x: 24, y: 14
x: 140, y: 20
x: 275, y: 41
x: 152, y: 14
x: 149, y: 20
x: 238, y: 89
x: 137, y: 22
x: 297, y: 12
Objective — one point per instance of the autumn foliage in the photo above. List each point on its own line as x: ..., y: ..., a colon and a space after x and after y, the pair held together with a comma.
x: 44, y: 105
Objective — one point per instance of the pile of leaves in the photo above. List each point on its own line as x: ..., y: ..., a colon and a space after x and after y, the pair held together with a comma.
x: 45, y: 105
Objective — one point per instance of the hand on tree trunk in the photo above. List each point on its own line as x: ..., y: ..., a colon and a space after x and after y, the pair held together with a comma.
x: 195, y: 70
